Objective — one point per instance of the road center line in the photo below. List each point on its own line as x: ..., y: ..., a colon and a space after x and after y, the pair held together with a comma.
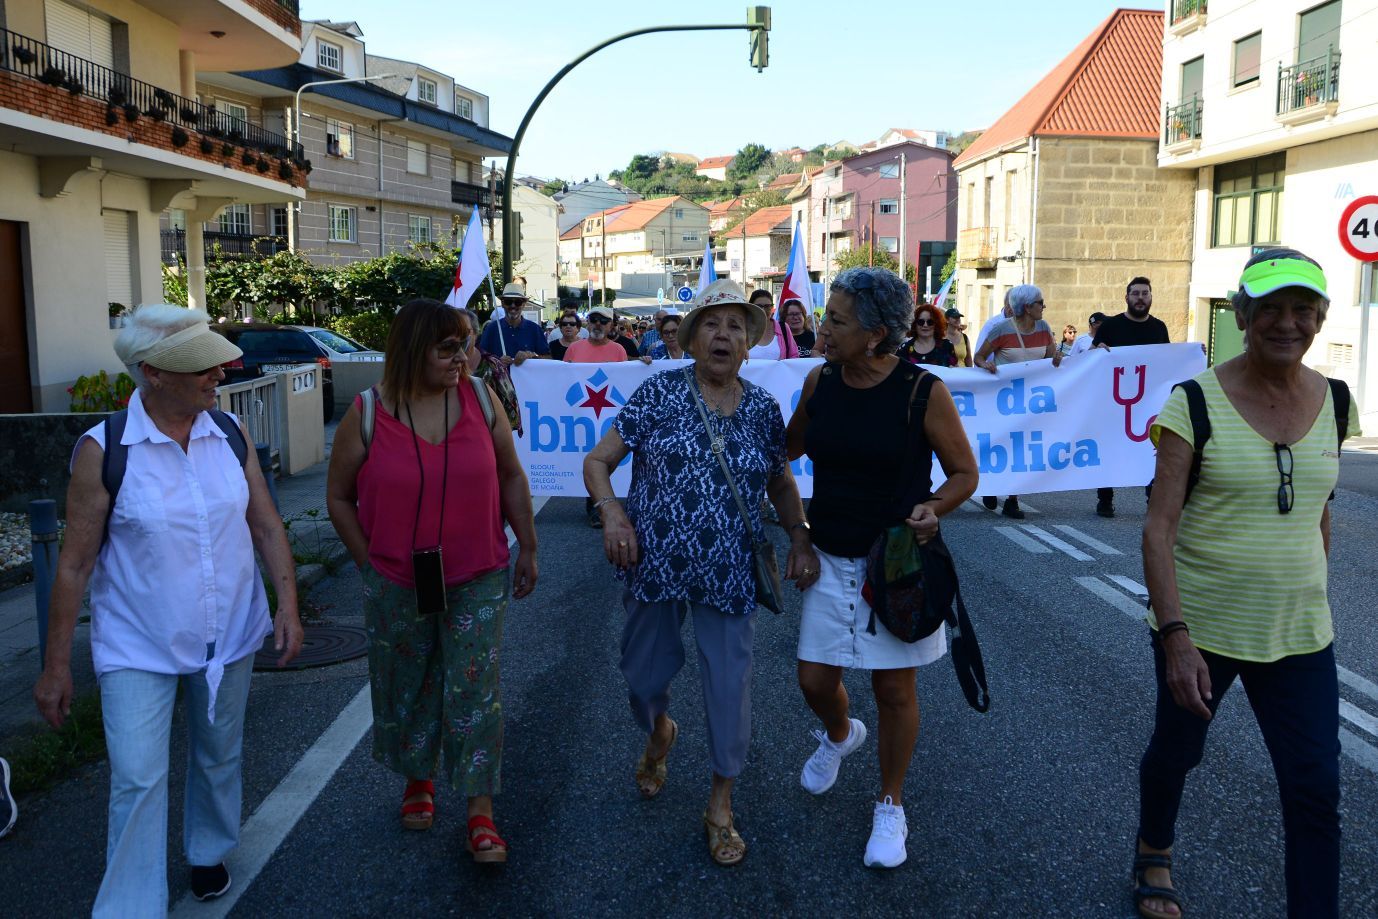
x: 1129, y: 584
x: 1112, y: 596
x: 1358, y: 683
x: 1062, y: 546
x: 1023, y: 540
x: 1358, y: 750
x: 1358, y: 717
x: 288, y: 802
x: 1088, y: 541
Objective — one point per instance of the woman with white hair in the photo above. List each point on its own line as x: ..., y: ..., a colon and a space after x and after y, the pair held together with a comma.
x: 1024, y: 336
x: 177, y: 602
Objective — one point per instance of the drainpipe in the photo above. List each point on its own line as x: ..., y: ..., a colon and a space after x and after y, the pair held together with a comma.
x: 1033, y: 211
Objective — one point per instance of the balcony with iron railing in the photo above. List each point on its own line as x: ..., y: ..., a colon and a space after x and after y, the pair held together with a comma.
x: 1186, y: 16
x: 1182, y: 125
x: 976, y: 247
x: 1309, y: 90
x: 119, y: 105
x: 221, y: 245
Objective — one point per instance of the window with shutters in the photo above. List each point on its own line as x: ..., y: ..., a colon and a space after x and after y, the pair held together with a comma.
x: 418, y: 228
x: 77, y: 31
x: 888, y: 206
x: 343, y: 228
x: 426, y: 90
x: 416, y: 157
x: 339, y: 138
x: 119, y: 278
x: 329, y: 57
x: 464, y: 107
x: 1248, y: 52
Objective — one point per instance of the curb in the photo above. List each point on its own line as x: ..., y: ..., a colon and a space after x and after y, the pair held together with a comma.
x: 308, y: 576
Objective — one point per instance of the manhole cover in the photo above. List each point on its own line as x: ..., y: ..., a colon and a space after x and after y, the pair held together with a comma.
x: 322, y: 646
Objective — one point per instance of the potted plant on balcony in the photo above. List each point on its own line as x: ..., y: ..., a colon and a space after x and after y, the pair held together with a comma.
x: 53, y: 76
x: 1308, y: 88
x: 24, y: 55
x: 189, y: 114
x: 118, y: 312
x: 179, y: 137
x: 1181, y: 130
x: 131, y: 112
x: 207, y: 146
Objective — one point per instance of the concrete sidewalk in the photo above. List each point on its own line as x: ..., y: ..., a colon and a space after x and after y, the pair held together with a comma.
x: 20, y: 666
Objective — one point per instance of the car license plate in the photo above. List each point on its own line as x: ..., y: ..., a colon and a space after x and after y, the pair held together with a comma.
x: 277, y: 368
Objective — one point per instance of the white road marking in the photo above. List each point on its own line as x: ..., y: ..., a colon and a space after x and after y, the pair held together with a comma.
x: 1130, y: 608
x: 1019, y: 538
x: 1358, y: 750
x: 1358, y: 717
x: 1129, y: 584
x: 1089, y: 542
x: 1358, y: 683
x: 972, y: 506
x: 287, y: 804
x: 1058, y: 544
x: 280, y: 811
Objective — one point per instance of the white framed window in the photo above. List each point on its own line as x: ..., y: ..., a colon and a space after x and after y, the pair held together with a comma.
x: 679, y: 213
x: 464, y: 107
x: 235, y: 220
x: 890, y: 244
x: 889, y: 170
x: 843, y: 209
x: 344, y: 225
x: 329, y: 57
x: 418, y: 228
x: 889, y: 205
x: 234, y: 110
x: 416, y: 157
x: 689, y: 237
x: 427, y: 90
x: 177, y: 219
x: 339, y: 138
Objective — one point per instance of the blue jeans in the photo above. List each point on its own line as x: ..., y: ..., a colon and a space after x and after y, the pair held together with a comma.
x: 137, y: 711
x: 1296, y: 703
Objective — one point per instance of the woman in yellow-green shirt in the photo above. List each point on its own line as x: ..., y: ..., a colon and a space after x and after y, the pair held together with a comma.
x: 1237, y: 576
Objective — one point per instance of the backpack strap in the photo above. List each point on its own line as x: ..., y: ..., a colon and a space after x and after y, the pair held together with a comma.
x: 1200, y: 430
x: 1339, y: 395
x: 113, y: 463
x: 485, y: 401
x: 234, y: 434
x: 368, y: 407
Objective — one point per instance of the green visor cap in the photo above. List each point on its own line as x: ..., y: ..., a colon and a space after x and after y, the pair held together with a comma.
x: 1276, y: 273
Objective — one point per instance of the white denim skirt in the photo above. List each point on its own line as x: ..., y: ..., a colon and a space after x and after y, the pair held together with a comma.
x: 832, y: 627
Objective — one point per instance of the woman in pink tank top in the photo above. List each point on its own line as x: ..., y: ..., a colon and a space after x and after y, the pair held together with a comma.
x: 419, y: 497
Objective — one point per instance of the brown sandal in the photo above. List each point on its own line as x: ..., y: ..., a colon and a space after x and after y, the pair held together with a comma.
x: 650, y: 773
x: 418, y: 805
x: 723, y: 839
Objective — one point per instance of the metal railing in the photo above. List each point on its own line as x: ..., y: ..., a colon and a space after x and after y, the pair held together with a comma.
x: 131, y: 99
x: 1185, y: 9
x: 470, y: 193
x: 977, y: 244
x: 226, y: 245
x: 256, y: 404
x: 1182, y: 122
x: 1309, y: 83
x: 291, y: 6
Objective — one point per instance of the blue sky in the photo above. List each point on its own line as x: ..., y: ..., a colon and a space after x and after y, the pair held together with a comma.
x: 833, y: 74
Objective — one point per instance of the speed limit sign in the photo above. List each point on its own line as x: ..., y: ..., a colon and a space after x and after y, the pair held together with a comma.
x: 1359, y: 228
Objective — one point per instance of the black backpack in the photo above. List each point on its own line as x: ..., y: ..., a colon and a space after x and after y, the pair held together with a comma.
x: 1201, y: 422
x: 116, y: 459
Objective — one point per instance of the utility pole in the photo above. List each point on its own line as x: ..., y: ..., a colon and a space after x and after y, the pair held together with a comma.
x: 904, y: 210
x: 492, y: 198
x: 871, y: 236
x: 603, y: 251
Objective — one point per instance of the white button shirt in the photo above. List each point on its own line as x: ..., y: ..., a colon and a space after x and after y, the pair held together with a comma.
x: 177, y: 572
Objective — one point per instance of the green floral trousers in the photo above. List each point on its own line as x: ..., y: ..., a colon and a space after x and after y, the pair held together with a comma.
x: 434, y: 681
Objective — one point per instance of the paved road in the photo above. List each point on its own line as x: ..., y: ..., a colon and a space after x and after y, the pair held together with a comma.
x: 1028, y: 809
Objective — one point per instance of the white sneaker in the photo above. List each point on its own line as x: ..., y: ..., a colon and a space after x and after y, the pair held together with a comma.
x: 885, y: 848
x: 820, y: 772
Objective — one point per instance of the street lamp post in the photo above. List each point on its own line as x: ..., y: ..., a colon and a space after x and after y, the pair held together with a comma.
x: 758, y: 24
x: 295, y: 138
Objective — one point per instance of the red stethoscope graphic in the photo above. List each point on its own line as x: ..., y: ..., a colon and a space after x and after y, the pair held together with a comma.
x: 1129, y: 404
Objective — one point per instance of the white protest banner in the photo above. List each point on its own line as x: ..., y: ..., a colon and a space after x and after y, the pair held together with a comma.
x: 1032, y: 427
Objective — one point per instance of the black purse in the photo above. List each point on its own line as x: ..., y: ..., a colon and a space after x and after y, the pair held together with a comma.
x: 764, y: 566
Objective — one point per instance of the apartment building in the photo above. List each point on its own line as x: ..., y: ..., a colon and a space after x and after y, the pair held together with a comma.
x: 632, y: 247
x: 584, y: 198
x: 101, y: 131
x: 1063, y: 190
x: 757, y: 250
x: 536, y: 257
x: 1270, y: 110
x: 397, y: 154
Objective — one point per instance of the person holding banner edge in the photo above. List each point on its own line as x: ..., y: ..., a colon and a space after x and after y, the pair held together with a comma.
x: 1226, y: 607
x: 679, y: 543
x: 854, y: 420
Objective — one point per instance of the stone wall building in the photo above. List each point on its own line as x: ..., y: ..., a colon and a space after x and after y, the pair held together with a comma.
x: 1063, y: 190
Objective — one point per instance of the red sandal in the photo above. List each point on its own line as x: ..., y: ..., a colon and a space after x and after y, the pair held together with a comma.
x: 497, y: 849
x: 418, y: 814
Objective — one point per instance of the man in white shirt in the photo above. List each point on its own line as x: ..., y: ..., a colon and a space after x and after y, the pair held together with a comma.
x: 1083, y: 342
x: 992, y: 322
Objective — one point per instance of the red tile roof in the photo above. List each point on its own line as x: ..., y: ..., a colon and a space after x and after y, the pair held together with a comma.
x: 575, y: 231
x: 1109, y: 86
x: 716, y: 162
x: 764, y: 222
x: 627, y: 217
x: 785, y: 181
x: 723, y: 208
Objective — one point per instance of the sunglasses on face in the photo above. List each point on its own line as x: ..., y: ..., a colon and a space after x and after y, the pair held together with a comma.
x: 448, y: 349
x: 599, y: 320
x: 569, y: 325
x: 923, y: 322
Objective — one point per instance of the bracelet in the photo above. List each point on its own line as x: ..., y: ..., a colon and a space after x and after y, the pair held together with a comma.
x: 601, y: 501
x: 1176, y: 625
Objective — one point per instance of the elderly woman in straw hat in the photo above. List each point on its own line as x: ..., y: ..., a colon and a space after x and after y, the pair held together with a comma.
x: 176, y: 603
x: 681, y: 543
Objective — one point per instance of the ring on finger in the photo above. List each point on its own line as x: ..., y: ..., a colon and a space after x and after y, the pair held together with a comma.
x: 622, y: 544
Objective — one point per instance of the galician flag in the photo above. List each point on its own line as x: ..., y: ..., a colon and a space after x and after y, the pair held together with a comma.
x: 473, y: 267
x: 797, y: 285
x: 940, y: 301
x: 707, y: 273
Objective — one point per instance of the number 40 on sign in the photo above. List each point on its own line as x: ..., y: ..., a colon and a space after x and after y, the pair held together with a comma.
x: 1359, y: 228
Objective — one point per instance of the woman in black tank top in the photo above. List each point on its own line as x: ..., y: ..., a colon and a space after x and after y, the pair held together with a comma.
x: 854, y: 422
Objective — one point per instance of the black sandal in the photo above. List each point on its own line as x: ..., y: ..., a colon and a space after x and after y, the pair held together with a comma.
x: 1144, y: 891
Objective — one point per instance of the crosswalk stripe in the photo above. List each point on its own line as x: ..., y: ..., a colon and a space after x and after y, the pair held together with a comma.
x: 1358, y: 717
x: 971, y: 506
x: 1088, y: 541
x: 1112, y: 596
x: 1358, y: 683
x: 1129, y: 584
x: 1024, y: 541
x: 1062, y: 546
x: 1358, y: 749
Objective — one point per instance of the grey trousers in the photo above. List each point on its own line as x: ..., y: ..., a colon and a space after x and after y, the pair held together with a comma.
x: 653, y: 652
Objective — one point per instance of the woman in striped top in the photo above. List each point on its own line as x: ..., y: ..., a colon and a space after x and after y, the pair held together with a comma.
x: 1237, y: 575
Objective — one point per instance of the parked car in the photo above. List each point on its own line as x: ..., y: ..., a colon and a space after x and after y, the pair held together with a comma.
x: 269, y: 348
x: 339, y: 347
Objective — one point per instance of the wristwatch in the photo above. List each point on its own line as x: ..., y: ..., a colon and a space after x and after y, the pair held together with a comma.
x: 804, y: 525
